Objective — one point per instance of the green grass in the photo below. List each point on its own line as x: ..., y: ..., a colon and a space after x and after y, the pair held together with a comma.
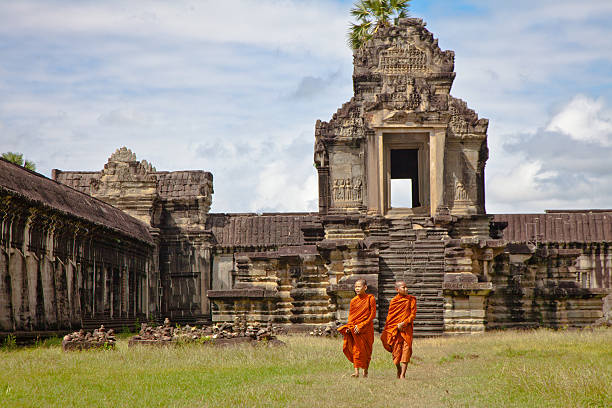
x: 505, y: 369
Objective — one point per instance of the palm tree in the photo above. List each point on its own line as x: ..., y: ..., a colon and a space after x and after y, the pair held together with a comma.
x: 371, y: 15
x: 17, y: 158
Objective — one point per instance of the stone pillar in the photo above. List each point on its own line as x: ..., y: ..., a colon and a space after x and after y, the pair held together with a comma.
x: 48, y: 289
x: 126, y: 291
x: 32, y: 265
x: 61, y: 294
x: 6, y: 320
x: 19, y: 289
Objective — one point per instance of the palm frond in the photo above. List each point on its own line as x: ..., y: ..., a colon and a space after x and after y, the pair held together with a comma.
x: 360, y: 12
x: 359, y: 34
x: 371, y: 16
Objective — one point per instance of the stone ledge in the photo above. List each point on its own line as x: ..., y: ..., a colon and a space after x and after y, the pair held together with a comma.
x: 242, y: 293
x: 469, y: 286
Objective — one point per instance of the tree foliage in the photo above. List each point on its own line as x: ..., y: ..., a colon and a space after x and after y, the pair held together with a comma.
x: 371, y: 15
x: 17, y: 158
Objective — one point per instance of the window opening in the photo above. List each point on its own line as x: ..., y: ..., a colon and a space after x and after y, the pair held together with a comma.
x: 405, y: 178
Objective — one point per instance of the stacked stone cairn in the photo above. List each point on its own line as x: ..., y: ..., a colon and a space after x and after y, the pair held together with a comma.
x: 81, y: 340
x: 329, y: 330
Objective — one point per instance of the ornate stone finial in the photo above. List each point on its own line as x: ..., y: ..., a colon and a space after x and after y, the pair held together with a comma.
x: 147, y: 166
x: 122, y: 155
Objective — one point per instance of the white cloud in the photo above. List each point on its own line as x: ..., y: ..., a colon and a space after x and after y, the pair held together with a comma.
x: 564, y: 164
x: 584, y: 119
x: 282, y: 186
x: 291, y: 25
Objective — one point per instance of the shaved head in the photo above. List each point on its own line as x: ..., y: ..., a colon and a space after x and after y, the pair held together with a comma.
x: 399, y: 283
x: 362, y: 281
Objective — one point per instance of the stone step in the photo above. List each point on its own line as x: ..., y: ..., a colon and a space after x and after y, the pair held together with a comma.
x: 402, y: 259
x: 427, y: 274
x: 394, y: 272
x: 407, y: 259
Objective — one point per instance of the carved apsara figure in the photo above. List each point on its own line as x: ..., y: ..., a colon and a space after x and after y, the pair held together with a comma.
x: 348, y: 190
x: 320, y: 154
x: 357, y: 189
x: 336, y: 190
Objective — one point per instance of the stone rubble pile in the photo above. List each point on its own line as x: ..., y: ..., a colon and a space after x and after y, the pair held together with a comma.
x: 329, y: 330
x: 241, y: 328
x: 605, y: 321
x: 166, y: 334
x: 81, y: 340
x: 188, y: 334
x: 220, y: 334
x: 148, y: 333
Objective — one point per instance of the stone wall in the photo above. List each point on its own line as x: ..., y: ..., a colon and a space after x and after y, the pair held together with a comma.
x: 66, y: 257
x: 175, y: 206
x: 540, y: 287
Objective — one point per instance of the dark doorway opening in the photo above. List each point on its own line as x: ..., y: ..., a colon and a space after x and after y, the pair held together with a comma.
x: 405, y: 178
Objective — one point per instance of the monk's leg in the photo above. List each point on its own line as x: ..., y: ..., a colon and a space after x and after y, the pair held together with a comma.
x: 397, y: 355
x: 362, y: 351
x: 403, y: 370
x: 406, y: 354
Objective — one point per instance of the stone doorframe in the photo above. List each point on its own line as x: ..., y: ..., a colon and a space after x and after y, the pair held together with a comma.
x: 431, y: 142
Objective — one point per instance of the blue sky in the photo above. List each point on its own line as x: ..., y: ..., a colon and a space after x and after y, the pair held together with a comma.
x: 236, y: 90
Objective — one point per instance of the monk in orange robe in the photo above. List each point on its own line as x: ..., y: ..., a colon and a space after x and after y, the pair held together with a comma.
x: 397, y: 334
x: 359, y: 331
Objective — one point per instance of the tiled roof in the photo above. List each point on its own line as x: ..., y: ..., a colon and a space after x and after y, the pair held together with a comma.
x: 16, y: 180
x: 253, y: 230
x: 558, y: 226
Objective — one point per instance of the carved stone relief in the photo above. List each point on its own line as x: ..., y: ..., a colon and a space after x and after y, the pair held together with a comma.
x: 462, y: 192
x: 403, y: 60
x: 347, y: 190
x: 457, y: 123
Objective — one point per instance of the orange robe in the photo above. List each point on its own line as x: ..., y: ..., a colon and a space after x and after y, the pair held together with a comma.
x: 399, y: 342
x: 358, y: 347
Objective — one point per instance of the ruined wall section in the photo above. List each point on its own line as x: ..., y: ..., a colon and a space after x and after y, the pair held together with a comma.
x: 175, y: 205
x: 66, y: 257
x: 277, y: 272
x: 569, y: 249
x: 539, y: 287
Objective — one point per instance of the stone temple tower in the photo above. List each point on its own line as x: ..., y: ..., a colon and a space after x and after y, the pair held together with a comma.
x: 401, y: 184
x: 402, y: 145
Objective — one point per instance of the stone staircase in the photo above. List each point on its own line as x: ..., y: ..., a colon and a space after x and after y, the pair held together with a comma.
x: 417, y: 257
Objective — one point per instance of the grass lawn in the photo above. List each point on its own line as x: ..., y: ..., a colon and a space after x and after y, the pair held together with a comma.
x: 503, y: 369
